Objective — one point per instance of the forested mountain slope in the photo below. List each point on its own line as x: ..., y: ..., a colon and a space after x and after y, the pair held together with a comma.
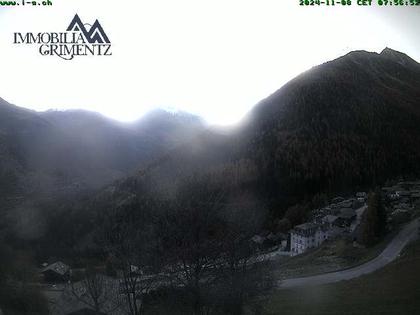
x: 346, y: 124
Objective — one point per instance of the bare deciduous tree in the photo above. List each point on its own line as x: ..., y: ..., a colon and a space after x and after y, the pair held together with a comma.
x: 192, y: 239
x: 130, y: 243
x: 96, y: 291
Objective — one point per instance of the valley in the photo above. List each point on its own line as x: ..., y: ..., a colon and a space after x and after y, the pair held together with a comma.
x: 168, y: 215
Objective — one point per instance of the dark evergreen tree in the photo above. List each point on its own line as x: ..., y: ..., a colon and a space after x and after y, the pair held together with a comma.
x: 373, y: 225
x: 382, y: 216
x: 368, y: 225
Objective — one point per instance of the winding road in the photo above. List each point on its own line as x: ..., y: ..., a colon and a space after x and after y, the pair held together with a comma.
x: 390, y: 253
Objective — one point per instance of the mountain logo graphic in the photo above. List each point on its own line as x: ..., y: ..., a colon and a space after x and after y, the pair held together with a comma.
x: 80, y: 39
x: 94, y: 34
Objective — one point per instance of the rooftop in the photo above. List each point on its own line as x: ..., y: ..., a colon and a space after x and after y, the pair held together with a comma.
x: 57, y: 267
x: 306, y: 226
x: 330, y: 218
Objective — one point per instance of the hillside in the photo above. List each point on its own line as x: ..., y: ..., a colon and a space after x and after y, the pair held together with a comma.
x: 347, y: 124
x: 354, y: 121
x: 48, y: 157
x: 83, y: 148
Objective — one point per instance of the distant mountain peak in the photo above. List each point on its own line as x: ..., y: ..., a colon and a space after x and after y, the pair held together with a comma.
x: 9, y: 107
x: 161, y: 116
x: 388, y: 51
x: 398, y: 57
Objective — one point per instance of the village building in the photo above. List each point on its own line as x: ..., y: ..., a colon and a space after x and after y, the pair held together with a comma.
x: 306, y: 236
x: 361, y: 194
x: 56, y: 272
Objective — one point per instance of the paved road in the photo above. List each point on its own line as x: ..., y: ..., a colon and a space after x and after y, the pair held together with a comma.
x: 391, y: 252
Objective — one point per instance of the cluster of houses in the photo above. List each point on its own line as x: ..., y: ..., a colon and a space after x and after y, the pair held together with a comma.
x: 402, y: 200
x: 341, y: 218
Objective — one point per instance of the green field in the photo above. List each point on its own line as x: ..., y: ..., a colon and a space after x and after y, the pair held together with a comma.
x: 331, y: 256
x: 392, y: 290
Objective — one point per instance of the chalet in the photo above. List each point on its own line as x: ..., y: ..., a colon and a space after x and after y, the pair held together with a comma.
x: 56, y: 272
x: 306, y: 236
x: 361, y: 195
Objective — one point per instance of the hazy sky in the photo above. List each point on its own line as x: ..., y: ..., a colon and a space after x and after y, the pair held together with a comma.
x: 215, y: 58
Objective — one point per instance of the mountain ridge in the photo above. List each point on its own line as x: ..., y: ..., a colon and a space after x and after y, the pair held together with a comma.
x: 349, y: 123
x: 81, y: 144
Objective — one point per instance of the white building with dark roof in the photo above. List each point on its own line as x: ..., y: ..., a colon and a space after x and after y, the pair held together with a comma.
x: 306, y: 236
